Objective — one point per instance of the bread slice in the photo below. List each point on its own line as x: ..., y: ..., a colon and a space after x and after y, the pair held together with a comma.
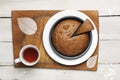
x: 85, y: 27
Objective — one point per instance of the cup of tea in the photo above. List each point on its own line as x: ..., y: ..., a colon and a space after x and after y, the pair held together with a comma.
x: 29, y: 55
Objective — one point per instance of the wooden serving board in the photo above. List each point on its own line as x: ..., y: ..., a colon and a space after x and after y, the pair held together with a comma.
x: 41, y: 17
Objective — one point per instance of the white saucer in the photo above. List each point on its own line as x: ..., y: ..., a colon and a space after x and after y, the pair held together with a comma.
x: 46, y: 35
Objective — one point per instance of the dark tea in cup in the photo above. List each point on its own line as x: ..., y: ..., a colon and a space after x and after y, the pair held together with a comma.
x: 30, y: 54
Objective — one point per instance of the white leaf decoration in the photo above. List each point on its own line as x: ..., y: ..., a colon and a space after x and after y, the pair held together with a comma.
x: 27, y: 25
x: 91, y: 62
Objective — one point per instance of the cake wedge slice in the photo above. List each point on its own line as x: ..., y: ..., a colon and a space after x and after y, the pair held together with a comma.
x: 86, y: 26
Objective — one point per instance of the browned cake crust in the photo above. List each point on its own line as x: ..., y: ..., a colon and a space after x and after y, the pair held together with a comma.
x: 64, y: 43
x: 85, y: 27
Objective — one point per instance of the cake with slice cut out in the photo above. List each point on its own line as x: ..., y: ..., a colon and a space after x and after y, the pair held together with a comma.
x: 64, y: 41
x: 85, y: 27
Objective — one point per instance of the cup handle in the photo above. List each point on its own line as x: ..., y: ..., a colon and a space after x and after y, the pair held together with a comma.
x: 17, y: 60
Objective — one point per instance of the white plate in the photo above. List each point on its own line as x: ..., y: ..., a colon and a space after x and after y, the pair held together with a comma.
x: 46, y: 35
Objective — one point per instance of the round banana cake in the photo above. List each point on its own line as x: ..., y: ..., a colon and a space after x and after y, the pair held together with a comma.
x: 63, y: 40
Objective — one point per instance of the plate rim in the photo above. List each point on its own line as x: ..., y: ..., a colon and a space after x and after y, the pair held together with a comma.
x: 48, y: 47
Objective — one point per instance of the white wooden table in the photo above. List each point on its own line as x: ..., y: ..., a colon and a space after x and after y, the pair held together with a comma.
x: 109, y: 54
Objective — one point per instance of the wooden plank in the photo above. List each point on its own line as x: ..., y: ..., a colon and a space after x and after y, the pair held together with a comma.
x: 109, y: 28
x: 5, y: 29
x: 41, y: 18
x: 104, y: 72
x: 108, y: 52
x: 105, y: 7
x: 6, y: 53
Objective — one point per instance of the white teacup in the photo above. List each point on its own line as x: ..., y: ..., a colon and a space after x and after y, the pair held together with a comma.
x: 29, y: 55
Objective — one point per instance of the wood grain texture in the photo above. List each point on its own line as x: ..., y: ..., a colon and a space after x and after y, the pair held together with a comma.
x: 105, y: 7
x: 104, y: 72
x: 41, y: 18
x: 108, y: 52
x: 5, y: 29
x: 109, y: 59
x: 109, y: 28
x: 6, y: 53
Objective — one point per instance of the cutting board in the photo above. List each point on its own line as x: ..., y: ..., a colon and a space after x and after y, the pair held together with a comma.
x: 41, y: 17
